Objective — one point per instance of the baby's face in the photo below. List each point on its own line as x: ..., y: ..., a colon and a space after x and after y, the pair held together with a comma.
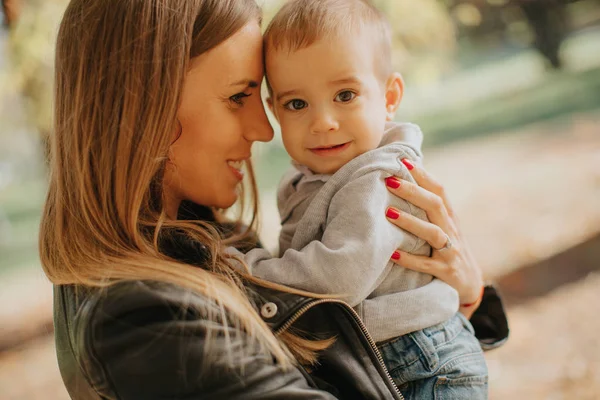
x: 328, y: 100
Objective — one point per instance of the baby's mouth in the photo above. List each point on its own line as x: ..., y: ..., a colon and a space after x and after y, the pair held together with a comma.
x: 330, y: 147
x: 335, y: 146
x: 330, y: 150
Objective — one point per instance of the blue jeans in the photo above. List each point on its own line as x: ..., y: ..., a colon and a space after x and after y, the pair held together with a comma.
x: 444, y: 361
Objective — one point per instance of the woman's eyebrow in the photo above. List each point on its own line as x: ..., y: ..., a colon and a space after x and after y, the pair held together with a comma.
x: 246, y: 83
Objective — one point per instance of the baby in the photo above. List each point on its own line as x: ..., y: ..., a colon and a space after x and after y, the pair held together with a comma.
x: 334, y: 93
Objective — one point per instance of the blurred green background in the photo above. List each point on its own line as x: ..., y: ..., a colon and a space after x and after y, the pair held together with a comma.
x: 507, y: 93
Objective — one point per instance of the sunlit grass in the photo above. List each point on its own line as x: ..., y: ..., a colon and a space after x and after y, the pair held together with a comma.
x: 561, y: 93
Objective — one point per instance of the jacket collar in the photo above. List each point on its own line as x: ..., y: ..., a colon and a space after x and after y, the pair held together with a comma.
x: 176, y: 244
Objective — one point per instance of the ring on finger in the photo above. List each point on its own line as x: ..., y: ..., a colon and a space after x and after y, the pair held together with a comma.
x: 448, y: 244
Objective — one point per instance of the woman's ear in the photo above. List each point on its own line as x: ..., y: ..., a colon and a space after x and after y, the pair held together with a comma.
x: 177, y: 131
x: 394, y: 90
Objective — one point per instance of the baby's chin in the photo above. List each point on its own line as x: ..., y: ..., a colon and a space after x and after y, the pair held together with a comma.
x: 327, y: 168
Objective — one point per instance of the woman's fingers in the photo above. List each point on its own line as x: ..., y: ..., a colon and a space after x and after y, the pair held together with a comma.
x: 423, y: 264
x: 451, y: 268
x: 427, y: 182
x: 431, y: 233
x: 454, y: 264
x: 431, y: 203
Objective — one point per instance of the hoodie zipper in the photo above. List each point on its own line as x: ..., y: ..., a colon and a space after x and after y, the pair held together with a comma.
x: 360, y: 323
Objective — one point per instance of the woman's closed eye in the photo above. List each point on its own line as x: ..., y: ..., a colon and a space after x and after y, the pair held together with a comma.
x: 295, y: 105
x: 345, y: 96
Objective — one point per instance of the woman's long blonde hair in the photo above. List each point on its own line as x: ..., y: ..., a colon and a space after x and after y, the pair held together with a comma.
x: 120, y: 69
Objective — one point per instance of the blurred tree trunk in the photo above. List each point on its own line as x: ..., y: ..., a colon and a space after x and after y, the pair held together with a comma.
x: 548, y: 21
x: 10, y: 8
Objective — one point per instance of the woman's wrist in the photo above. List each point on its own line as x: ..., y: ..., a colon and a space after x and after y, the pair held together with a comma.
x: 474, y: 302
x: 468, y: 308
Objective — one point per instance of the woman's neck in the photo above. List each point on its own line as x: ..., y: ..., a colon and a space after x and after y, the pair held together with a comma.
x: 172, y: 207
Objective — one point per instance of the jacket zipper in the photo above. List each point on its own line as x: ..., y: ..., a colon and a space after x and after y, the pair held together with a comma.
x: 361, y: 324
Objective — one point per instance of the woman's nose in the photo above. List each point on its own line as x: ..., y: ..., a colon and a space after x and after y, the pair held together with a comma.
x: 324, y: 122
x: 259, y: 128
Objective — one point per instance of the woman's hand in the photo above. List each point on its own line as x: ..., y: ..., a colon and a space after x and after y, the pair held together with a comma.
x: 451, y: 260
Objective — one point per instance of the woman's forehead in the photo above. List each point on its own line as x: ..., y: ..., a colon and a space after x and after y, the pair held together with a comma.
x: 238, y: 58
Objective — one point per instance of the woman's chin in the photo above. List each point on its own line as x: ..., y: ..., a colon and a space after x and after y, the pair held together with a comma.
x: 226, y: 202
x: 222, y: 199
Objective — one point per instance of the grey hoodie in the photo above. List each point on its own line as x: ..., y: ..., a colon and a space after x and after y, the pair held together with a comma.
x: 336, y: 240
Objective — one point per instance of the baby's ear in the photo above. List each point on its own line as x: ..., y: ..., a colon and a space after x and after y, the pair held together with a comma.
x: 394, y: 90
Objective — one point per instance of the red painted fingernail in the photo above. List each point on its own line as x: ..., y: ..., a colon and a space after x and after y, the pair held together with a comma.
x: 396, y: 256
x: 392, y: 182
x: 408, y: 164
x: 392, y: 214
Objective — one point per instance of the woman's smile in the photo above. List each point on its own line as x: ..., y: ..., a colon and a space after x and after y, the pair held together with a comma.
x: 236, y: 168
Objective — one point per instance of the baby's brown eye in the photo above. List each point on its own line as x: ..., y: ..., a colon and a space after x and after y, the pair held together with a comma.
x: 295, y: 105
x: 345, y: 96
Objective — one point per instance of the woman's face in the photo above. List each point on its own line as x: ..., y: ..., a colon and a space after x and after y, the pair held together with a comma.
x: 221, y: 115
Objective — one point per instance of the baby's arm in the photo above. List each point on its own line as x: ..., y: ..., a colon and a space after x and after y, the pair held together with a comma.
x: 287, y: 210
x: 355, y: 249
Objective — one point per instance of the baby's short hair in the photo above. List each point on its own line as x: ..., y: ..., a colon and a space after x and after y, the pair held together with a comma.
x: 300, y: 23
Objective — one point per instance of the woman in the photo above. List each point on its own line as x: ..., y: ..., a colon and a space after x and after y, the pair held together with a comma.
x: 157, y: 106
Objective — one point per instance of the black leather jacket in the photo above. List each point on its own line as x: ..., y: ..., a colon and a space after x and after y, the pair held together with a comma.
x: 140, y: 341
